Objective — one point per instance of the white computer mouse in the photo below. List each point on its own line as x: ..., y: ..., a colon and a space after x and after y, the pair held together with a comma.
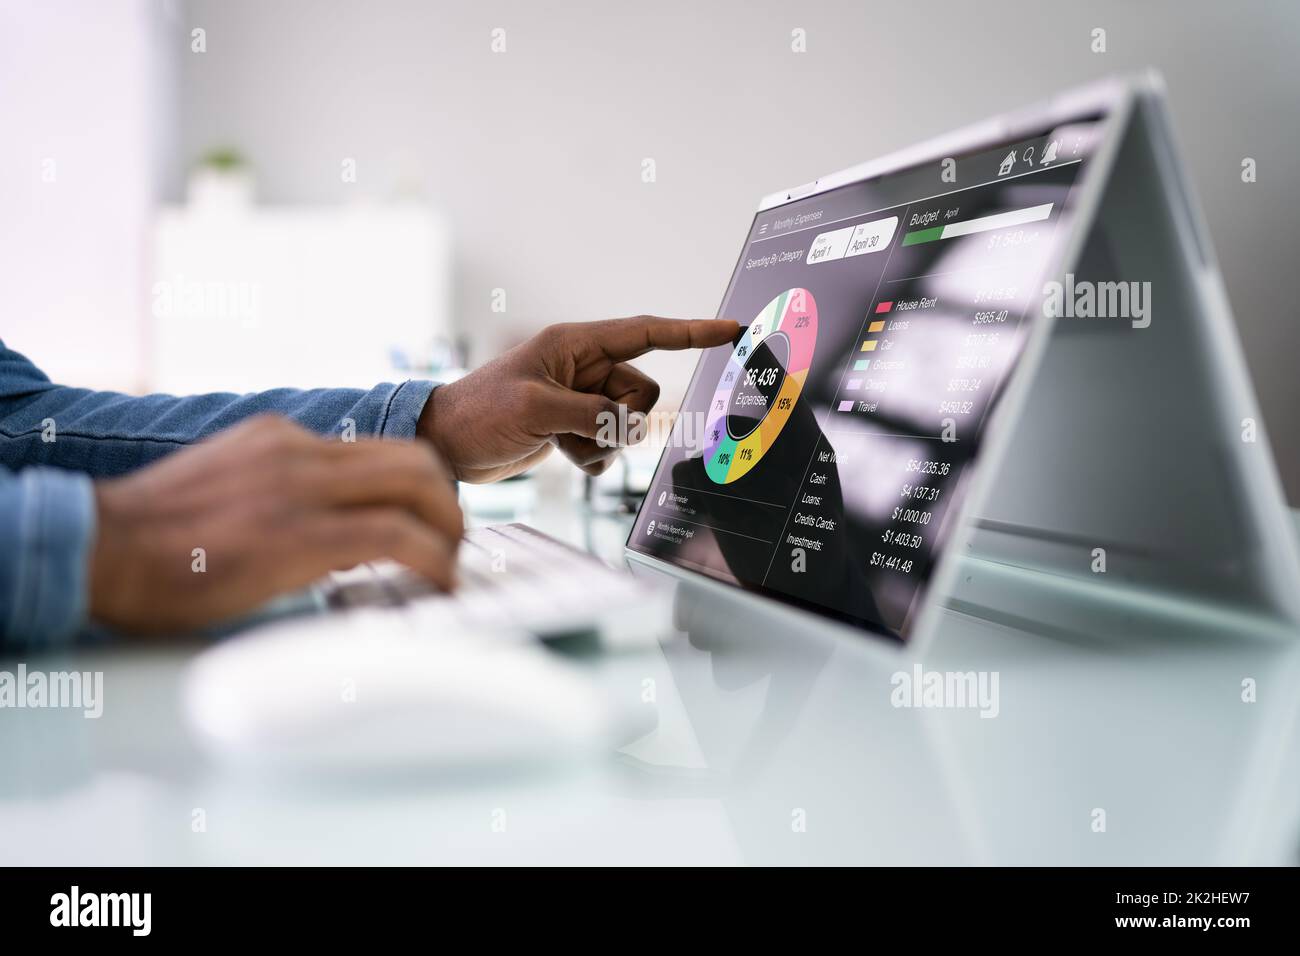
x: 357, y: 692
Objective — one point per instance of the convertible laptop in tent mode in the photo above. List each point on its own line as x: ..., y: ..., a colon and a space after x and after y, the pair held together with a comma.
x: 995, y: 372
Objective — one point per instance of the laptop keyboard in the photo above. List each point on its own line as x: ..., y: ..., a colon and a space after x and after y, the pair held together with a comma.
x: 516, y: 582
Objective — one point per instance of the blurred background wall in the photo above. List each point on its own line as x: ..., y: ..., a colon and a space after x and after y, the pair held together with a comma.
x: 532, y: 157
x: 88, y: 137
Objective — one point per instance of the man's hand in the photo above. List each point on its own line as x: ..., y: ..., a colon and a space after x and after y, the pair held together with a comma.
x: 556, y: 389
x: 273, y: 507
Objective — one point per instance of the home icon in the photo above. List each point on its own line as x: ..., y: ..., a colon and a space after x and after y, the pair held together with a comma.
x: 1007, y: 163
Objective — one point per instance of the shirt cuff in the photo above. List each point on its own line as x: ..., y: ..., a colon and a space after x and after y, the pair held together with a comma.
x: 403, y: 408
x: 44, y: 582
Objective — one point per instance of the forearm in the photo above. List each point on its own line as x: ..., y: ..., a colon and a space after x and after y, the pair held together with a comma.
x: 105, y: 433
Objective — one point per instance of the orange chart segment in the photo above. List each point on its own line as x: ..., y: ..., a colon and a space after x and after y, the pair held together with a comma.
x: 758, y: 388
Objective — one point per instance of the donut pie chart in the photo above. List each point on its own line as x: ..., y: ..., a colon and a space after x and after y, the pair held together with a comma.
x: 760, y: 385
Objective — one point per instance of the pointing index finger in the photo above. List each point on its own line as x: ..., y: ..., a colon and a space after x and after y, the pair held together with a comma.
x: 623, y: 339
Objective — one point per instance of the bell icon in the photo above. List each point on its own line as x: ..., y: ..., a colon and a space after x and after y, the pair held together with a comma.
x: 1049, y: 154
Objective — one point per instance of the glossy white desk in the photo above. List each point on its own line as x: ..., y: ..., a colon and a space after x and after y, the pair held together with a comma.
x: 756, y: 733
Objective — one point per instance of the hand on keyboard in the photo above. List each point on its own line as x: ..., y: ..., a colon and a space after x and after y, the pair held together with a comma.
x: 515, y: 581
x: 266, y: 507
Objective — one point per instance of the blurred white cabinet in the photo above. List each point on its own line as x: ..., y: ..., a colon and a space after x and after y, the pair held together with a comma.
x: 256, y: 297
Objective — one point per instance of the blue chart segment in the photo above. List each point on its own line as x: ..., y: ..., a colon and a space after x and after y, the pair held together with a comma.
x: 757, y: 390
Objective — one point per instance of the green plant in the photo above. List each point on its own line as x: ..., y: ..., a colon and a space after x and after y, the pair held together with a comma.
x: 225, y: 159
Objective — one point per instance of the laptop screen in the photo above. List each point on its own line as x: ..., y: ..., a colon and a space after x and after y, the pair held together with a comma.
x: 823, y: 458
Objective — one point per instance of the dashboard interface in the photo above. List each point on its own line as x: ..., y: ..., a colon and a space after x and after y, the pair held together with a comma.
x: 823, y: 458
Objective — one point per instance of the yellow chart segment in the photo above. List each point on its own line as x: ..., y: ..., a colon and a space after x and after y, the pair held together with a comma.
x: 750, y: 448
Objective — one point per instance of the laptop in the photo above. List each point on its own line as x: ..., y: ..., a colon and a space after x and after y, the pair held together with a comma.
x: 994, y: 372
